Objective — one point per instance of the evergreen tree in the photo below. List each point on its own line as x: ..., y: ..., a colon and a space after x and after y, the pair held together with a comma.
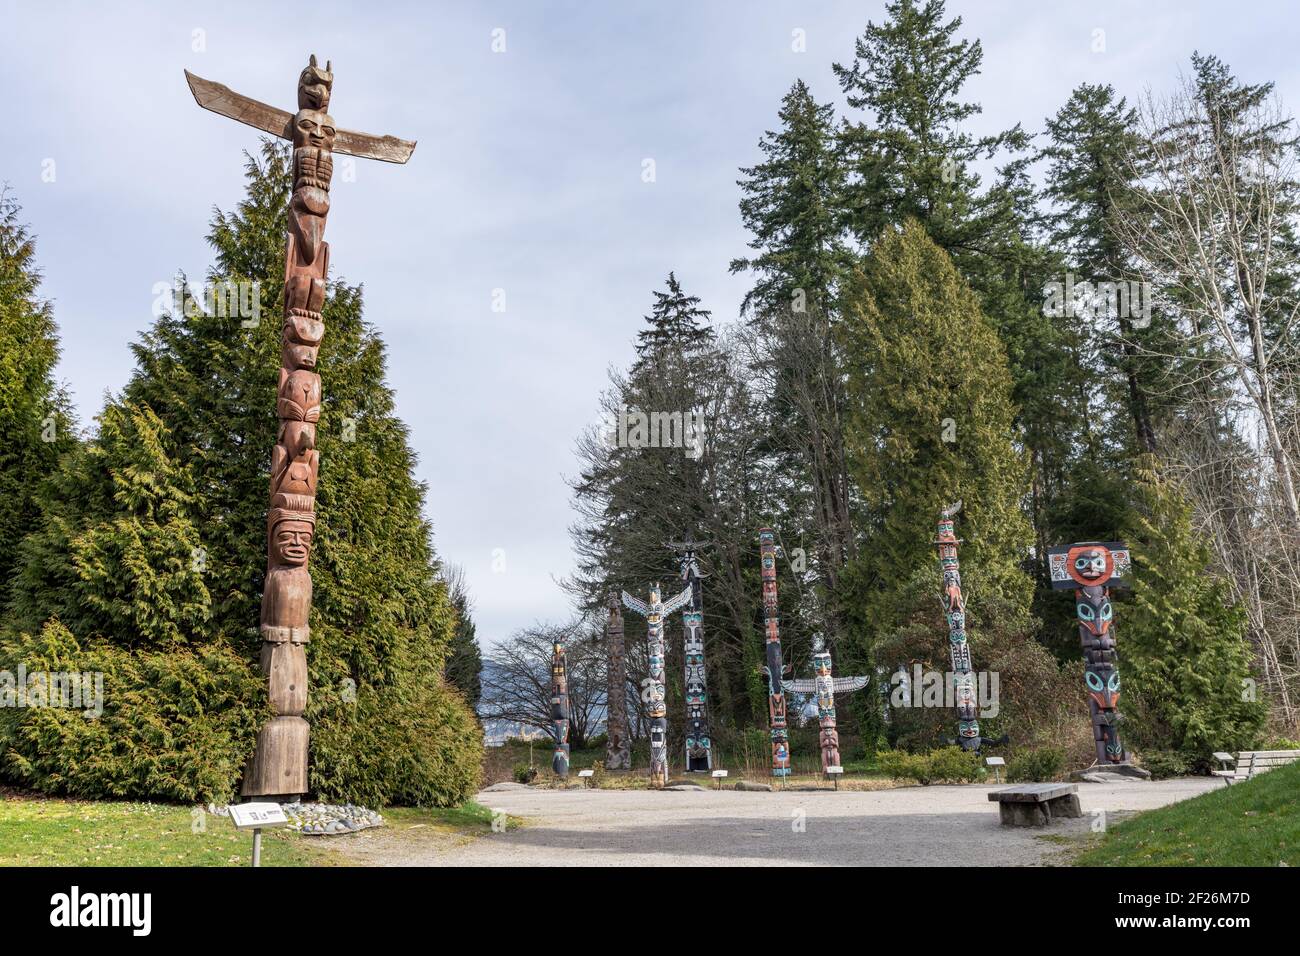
x: 793, y: 206
x: 1184, y: 656
x: 675, y: 324
x: 185, y: 514
x: 464, y: 666
x: 1093, y: 139
x: 930, y: 422
x: 35, y: 421
x: 913, y: 159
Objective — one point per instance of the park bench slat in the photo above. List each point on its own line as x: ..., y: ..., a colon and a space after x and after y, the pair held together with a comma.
x: 1250, y: 762
x: 1033, y: 792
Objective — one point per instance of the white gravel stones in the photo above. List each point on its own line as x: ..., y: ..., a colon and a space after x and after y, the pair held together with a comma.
x: 330, y: 819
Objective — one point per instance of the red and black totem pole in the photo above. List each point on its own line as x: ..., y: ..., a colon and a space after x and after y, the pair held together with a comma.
x: 1091, y: 569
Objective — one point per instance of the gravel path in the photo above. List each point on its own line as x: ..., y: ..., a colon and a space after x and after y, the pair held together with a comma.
x: 913, y: 826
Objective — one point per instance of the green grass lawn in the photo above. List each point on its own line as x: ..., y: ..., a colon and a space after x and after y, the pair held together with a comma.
x: 41, y: 831
x: 1252, y: 823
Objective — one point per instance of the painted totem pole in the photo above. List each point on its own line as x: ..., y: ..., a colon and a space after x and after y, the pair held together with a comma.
x: 825, y: 686
x: 1091, y: 569
x: 773, y: 669
x: 560, y: 710
x: 699, y: 744
x: 278, y: 767
x: 654, y: 611
x: 954, y: 608
x: 618, y: 746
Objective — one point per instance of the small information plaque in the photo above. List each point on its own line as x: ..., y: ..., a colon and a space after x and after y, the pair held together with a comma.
x: 585, y: 773
x: 254, y: 816
x: 719, y: 773
x: 834, y: 769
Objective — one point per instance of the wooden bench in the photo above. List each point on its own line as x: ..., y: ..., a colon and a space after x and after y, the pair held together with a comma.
x: 1037, y: 804
x: 1247, y: 763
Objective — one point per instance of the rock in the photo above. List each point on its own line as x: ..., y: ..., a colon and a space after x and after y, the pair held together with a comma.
x: 323, y: 819
x: 504, y: 786
x: 685, y: 786
x: 1111, y: 773
x: 750, y: 785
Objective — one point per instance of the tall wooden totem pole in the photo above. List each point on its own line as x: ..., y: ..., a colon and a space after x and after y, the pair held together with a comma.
x: 654, y: 611
x: 279, y: 765
x: 560, y: 710
x: 775, y: 690
x: 825, y: 685
x: 1091, y: 569
x: 699, y: 743
x: 954, y: 609
x: 618, y: 745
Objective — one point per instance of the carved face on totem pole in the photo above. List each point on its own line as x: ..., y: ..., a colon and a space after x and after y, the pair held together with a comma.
x: 1093, y: 608
x: 300, y: 344
x: 291, y: 540
x: 822, y: 665
x: 1103, y: 684
x: 314, y: 128
x: 1101, y: 564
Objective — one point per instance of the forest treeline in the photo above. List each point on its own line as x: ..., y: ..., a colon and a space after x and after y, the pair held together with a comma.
x: 1083, y: 327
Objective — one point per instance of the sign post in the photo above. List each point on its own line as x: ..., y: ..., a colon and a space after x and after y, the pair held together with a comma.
x: 255, y: 816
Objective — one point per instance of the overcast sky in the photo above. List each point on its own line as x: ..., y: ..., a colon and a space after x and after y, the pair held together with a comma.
x: 528, y: 179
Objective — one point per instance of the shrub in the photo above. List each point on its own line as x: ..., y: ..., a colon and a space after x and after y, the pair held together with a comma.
x: 1038, y: 765
x: 945, y: 765
x: 177, y: 724
x: 1163, y: 764
x: 525, y: 773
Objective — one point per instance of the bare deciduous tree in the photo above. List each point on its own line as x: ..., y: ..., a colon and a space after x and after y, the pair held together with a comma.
x: 517, y: 680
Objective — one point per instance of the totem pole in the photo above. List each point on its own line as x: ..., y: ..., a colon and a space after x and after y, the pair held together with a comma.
x: 654, y: 611
x: 618, y: 746
x: 560, y: 710
x: 278, y: 767
x: 699, y: 745
x: 1091, y: 569
x: 825, y: 686
x: 771, y: 624
x: 954, y: 608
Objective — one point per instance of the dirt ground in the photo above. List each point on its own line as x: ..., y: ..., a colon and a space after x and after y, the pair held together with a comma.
x: 911, y: 826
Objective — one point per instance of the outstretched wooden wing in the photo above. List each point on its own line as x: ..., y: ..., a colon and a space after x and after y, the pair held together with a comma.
x: 801, y: 686
x: 244, y: 109
x: 844, y: 685
x: 636, y: 606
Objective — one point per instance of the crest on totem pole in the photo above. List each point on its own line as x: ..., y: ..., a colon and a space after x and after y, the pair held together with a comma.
x: 1091, y: 563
